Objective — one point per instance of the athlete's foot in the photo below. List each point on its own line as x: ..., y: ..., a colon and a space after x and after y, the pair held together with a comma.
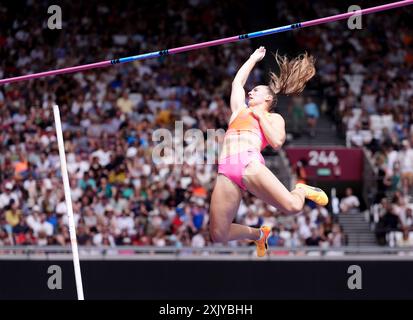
x: 315, y: 194
x: 262, y: 244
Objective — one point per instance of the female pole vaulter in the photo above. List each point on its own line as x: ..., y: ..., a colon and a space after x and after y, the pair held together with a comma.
x: 241, y: 166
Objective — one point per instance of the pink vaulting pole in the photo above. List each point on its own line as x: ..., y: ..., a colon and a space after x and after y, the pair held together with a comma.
x: 257, y: 34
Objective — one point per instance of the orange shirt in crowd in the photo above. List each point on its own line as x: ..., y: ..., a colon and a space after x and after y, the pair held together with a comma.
x: 20, y: 167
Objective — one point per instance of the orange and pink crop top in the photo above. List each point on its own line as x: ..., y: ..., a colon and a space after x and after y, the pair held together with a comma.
x: 245, y: 121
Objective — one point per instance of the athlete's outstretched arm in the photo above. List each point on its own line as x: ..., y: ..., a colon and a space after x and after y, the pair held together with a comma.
x: 238, y: 92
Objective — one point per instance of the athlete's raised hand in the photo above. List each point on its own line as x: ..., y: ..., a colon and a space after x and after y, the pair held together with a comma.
x: 259, y: 54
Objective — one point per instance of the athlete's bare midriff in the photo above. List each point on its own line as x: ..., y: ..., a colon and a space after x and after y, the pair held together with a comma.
x: 241, y: 141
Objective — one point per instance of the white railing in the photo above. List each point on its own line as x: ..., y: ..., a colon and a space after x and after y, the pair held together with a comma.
x: 207, y: 253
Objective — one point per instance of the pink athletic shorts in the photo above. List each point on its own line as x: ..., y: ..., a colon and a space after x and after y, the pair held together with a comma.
x: 234, y: 165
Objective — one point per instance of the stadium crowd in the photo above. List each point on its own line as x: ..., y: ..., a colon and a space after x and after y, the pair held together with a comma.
x: 121, y: 194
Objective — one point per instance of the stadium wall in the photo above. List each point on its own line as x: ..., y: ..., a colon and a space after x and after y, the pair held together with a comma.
x: 194, y: 280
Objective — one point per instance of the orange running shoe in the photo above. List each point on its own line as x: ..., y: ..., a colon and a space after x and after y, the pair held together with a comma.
x: 315, y: 194
x: 262, y: 244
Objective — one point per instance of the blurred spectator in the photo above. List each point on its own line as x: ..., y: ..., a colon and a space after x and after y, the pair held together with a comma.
x: 252, y: 220
x: 306, y: 227
x: 104, y: 238
x: 198, y: 240
x: 315, y: 238
x: 275, y: 239
x: 37, y: 222
x: 407, y: 221
x: 350, y: 203
x: 406, y: 162
x: 298, y: 116
x: 13, y: 214
x: 406, y: 240
x: 124, y: 104
x: 318, y: 215
x: 336, y: 237
x: 300, y: 171
x: 390, y: 220
x: 7, y: 195
x: 312, y: 113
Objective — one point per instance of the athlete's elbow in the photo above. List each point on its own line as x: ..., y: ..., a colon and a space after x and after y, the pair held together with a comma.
x: 276, y: 146
x: 277, y: 143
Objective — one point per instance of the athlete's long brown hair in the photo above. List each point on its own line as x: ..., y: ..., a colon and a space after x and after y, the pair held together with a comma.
x: 293, y: 76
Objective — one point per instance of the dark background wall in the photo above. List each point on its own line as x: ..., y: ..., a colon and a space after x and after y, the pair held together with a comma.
x: 170, y: 280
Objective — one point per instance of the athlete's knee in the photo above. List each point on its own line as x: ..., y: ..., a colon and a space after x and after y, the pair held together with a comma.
x: 218, y: 235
